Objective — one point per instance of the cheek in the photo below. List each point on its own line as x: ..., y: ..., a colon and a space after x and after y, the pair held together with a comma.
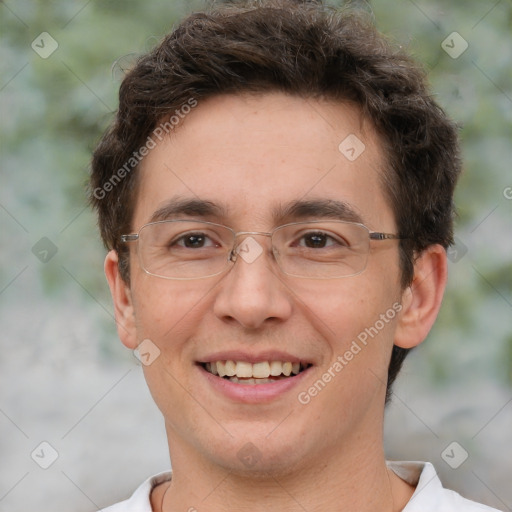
x: 168, y: 313
x: 342, y: 309
x: 165, y: 310
x: 358, y: 321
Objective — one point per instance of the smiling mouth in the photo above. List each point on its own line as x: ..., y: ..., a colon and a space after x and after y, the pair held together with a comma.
x: 264, y: 372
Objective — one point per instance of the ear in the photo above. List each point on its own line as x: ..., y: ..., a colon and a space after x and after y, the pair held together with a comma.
x: 123, y: 304
x: 421, y: 301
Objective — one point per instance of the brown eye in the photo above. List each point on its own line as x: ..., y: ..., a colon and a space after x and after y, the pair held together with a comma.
x: 320, y: 240
x: 315, y: 240
x: 194, y: 241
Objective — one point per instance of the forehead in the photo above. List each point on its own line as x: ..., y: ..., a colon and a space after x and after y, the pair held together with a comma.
x: 252, y: 156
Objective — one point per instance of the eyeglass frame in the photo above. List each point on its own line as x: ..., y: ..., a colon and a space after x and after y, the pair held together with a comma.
x: 232, y: 255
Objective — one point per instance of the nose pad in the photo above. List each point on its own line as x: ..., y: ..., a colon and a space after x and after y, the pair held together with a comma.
x: 232, y: 256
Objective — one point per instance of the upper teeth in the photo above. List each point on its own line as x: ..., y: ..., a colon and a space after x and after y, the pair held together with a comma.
x: 261, y: 370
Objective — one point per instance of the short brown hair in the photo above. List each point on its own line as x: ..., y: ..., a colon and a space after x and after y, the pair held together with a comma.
x: 303, y: 49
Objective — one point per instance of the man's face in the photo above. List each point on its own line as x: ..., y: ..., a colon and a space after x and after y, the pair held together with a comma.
x: 253, y: 157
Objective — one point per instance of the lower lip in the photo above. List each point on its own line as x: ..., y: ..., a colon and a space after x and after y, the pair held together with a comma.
x: 252, y: 393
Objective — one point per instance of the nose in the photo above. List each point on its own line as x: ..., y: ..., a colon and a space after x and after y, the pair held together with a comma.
x: 252, y: 293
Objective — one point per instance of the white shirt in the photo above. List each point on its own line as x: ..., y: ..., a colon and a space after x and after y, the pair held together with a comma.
x: 429, y: 496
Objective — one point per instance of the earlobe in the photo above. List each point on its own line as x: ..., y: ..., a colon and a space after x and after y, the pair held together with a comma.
x: 123, y: 304
x: 421, y: 301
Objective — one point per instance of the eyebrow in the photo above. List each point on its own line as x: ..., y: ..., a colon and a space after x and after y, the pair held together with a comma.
x: 294, y: 210
x: 188, y: 207
x: 324, y: 208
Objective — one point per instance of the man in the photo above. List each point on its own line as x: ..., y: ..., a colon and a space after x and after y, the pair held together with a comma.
x: 276, y: 194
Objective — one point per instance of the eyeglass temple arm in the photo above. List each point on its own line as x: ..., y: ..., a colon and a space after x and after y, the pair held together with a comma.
x: 129, y: 238
x: 384, y: 236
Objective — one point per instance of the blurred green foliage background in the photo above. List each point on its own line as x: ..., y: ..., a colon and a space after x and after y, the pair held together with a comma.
x: 57, y: 317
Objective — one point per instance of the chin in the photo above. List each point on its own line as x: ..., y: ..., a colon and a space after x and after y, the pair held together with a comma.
x: 260, y: 455
x: 262, y: 464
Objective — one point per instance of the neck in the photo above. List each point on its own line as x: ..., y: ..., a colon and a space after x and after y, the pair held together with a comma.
x: 345, y: 480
